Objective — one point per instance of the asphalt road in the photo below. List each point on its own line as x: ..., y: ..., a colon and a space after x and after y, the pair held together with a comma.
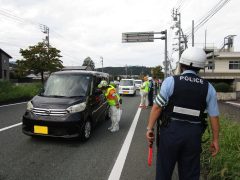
x: 26, y: 158
x: 230, y: 111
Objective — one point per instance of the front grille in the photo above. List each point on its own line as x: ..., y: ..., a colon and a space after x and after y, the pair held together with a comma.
x: 49, y: 112
x: 125, y: 89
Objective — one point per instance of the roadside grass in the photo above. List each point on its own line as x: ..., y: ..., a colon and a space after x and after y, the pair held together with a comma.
x: 226, y: 165
x: 11, y: 93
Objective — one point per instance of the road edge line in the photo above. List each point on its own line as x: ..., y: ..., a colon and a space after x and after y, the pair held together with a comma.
x: 9, y: 127
x: 119, y: 163
x: 12, y: 104
x: 233, y: 103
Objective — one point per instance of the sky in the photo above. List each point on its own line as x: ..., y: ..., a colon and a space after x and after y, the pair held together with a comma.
x: 93, y: 28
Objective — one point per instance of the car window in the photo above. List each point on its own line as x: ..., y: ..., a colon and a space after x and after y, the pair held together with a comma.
x: 67, y: 85
x: 97, y: 81
x: 126, y: 83
x: 138, y: 82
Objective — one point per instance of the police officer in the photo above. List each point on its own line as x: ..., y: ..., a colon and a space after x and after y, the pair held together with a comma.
x: 150, y: 92
x: 182, y: 102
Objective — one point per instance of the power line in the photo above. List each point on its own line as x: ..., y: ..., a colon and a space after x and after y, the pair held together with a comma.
x: 178, y: 5
x: 211, y: 15
x: 14, y: 18
x: 188, y: 31
x: 208, y: 16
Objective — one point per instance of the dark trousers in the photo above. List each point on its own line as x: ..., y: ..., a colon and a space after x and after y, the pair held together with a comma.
x: 150, y: 97
x: 179, y: 142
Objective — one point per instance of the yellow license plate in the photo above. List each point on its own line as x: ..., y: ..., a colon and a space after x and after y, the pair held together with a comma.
x: 41, y: 129
x: 125, y: 92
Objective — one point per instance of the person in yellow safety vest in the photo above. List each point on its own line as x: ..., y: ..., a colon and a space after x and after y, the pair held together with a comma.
x: 144, y: 89
x: 113, y: 101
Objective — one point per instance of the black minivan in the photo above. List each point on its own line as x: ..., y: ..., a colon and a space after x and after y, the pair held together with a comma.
x: 69, y: 106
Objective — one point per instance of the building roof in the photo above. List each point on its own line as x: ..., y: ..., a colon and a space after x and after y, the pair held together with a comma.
x: 2, y: 51
x: 229, y: 55
x: 77, y: 68
x: 31, y: 76
x: 224, y: 75
x: 221, y: 55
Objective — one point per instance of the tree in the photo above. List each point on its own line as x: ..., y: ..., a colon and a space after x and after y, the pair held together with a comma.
x: 39, y: 59
x: 157, y: 72
x: 89, y: 62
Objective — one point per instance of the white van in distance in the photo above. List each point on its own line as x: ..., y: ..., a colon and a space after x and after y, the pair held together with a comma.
x: 138, y: 83
x: 127, y: 86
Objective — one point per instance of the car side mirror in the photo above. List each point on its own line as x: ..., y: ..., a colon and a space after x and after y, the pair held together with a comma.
x: 41, y: 91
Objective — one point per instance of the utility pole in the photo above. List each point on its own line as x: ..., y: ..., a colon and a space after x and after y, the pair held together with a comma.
x: 205, y: 42
x: 101, y: 62
x: 45, y: 30
x: 179, y: 35
x: 165, y: 61
x: 177, y: 17
x: 192, y: 33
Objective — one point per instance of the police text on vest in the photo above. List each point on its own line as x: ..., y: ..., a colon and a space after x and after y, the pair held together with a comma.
x: 191, y: 79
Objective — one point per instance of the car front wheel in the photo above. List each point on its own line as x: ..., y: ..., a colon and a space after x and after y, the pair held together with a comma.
x: 86, y: 131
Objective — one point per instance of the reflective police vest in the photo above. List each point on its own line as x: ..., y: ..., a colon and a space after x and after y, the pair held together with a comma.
x: 111, y: 99
x: 188, y: 101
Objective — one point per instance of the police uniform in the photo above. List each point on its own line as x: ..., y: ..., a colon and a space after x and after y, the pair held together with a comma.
x: 150, y: 93
x: 184, y: 98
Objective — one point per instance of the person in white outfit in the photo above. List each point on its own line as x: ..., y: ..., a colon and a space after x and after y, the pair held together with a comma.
x: 144, y: 89
x: 113, y: 101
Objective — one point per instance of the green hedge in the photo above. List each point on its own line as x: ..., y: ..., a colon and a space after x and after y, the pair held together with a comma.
x: 222, y: 87
x: 226, y: 165
x: 10, y: 92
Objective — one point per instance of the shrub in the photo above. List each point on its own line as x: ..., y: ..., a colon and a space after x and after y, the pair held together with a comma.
x: 5, y: 86
x: 10, y: 92
x: 222, y: 87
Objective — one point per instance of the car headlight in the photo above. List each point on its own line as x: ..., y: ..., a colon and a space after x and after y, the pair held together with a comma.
x: 77, y: 108
x: 29, y: 106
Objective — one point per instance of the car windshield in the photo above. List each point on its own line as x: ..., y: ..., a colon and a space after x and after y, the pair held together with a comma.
x: 66, y: 85
x: 138, y: 82
x: 126, y: 83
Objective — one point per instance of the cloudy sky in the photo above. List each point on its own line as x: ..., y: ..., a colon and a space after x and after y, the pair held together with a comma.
x: 82, y: 28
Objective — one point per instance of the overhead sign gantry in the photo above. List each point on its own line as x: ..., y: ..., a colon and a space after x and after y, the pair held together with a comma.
x: 137, y: 37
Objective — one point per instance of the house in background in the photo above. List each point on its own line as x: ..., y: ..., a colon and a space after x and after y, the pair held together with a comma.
x: 4, y: 65
x: 223, y: 65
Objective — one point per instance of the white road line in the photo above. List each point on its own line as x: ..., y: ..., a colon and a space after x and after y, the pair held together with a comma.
x: 232, y: 103
x: 9, y: 127
x: 118, y: 166
x: 12, y: 104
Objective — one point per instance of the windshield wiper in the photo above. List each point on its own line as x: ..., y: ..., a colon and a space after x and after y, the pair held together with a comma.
x: 73, y: 96
x: 56, y: 96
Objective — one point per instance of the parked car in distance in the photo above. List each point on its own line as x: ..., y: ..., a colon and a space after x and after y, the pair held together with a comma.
x: 69, y: 106
x: 138, y: 83
x: 127, y: 86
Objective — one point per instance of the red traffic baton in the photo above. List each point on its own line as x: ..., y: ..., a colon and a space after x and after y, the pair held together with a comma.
x: 150, y: 151
x: 150, y: 155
